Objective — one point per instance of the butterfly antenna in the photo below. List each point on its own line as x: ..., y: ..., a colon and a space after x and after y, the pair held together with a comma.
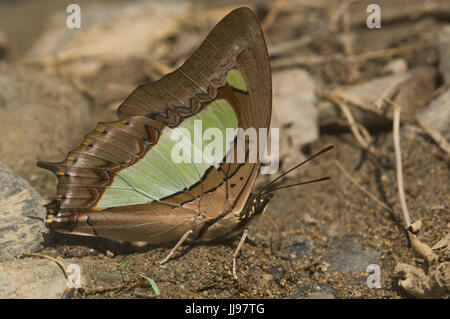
x: 326, y: 149
x: 297, y: 184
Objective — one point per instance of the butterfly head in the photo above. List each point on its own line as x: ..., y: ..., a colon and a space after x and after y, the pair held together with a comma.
x: 258, y: 204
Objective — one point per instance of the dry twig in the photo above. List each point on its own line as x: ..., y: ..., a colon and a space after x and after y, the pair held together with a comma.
x: 339, y: 13
x: 398, y: 163
x: 359, y: 131
x: 304, y: 41
x: 438, y: 138
x: 271, y: 16
x: 421, y: 249
x: 57, y: 261
x: 314, y: 60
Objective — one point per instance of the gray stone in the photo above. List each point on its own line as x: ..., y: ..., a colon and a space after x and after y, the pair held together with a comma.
x: 44, y: 118
x: 436, y: 116
x: 41, y: 278
x: 398, y: 65
x: 300, y: 245
x: 321, y: 295
x: 294, y: 111
x: 277, y: 272
x: 294, y: 99
x: 95, y: 274
x: 21, y: 215
x: 328, y: 112
x: 31, y: 278
x: 350, y: 256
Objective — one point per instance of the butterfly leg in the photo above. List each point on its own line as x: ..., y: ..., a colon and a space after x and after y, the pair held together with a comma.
x: 186, y: 235
x: 238, y: 249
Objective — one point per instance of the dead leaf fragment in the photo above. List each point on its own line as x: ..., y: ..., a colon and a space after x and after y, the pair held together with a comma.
x: 415, y: 227
x: 443, y: 244
x: 416, y: 283
x: 367, y: 101
x: 422, y: 250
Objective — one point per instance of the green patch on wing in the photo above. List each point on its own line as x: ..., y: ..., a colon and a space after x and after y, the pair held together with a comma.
x: 158, y: 175
x: 236, y: 80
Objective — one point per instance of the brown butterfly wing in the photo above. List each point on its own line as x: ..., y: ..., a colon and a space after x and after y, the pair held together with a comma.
x: 236, y: 42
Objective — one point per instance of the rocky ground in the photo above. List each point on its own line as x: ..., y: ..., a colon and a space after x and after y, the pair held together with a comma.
x: 335, y: 82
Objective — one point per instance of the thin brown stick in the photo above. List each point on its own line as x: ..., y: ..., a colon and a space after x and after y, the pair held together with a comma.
x: 362, y: 136
x: 438, y: 138
x: 302, y: 60
x: 272, y: 14
x: 59, y: 262
x: 339, y: 13
x: 314, y: 60
x: 398, y: 163
x: 238, y: 249
x: 179, y: 243
x: 388, y: 52
x: 277, y: 230
x: 306, y: 40
x: 439, y: 91
x: 421, y: 249
x: 362, y: 189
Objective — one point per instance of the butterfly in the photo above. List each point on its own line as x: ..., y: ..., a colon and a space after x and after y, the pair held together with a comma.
x: 122, y: 182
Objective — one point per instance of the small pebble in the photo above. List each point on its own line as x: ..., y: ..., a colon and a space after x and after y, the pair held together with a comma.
x: 396, y: 66
x: 267, y: 277
x: 308, y: 219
